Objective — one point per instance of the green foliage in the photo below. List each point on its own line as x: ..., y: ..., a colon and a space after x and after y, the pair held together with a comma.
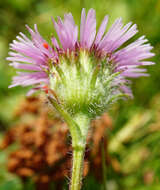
x: 7, y: 180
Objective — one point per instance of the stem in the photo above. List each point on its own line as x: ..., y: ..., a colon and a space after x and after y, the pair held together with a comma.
x: 77, y: 169
x: 78, y: 126
x: 78, y: 153
x: 73, y: 127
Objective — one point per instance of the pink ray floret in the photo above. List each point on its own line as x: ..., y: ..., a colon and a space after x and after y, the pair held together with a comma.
x: 33, y: 55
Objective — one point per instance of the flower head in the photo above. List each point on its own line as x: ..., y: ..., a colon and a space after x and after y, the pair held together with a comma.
x: 85, y: 73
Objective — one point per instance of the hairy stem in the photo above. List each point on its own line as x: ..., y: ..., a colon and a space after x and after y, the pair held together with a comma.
x: 77, y: 168
x: 78, y: 126
x: 78, y: 152
x: 73, y: 127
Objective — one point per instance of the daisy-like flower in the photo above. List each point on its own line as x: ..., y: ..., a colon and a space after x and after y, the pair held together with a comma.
x: 81, y: 75
x: 76, y: 59
x: 86, y: 73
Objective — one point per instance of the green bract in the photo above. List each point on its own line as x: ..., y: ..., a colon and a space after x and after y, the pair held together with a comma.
x: 83, y: 83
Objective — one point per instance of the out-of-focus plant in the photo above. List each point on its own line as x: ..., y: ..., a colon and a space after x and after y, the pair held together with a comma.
x: 132, y: 155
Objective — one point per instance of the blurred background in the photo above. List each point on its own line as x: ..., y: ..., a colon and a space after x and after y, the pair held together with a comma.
x: 124, y: 144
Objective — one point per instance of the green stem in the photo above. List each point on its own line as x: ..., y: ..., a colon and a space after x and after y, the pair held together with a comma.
x: 77, y: 169
x: 78, y: 126
x: 73, y: 127
x: 78, y: 153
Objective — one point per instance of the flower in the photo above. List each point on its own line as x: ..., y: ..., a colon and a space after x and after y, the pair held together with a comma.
x: 85, y: 72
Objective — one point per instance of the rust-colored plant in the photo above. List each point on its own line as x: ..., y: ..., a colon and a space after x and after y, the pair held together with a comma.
x: 44, y: 151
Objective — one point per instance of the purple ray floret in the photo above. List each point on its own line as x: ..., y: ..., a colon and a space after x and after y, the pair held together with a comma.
x: 34, y: 55
x: 30, y: 55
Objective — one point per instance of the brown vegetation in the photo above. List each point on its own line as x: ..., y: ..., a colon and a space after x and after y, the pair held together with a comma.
x: 44, y: 151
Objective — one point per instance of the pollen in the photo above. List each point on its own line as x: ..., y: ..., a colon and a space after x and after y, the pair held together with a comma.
x: 45, y: 45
